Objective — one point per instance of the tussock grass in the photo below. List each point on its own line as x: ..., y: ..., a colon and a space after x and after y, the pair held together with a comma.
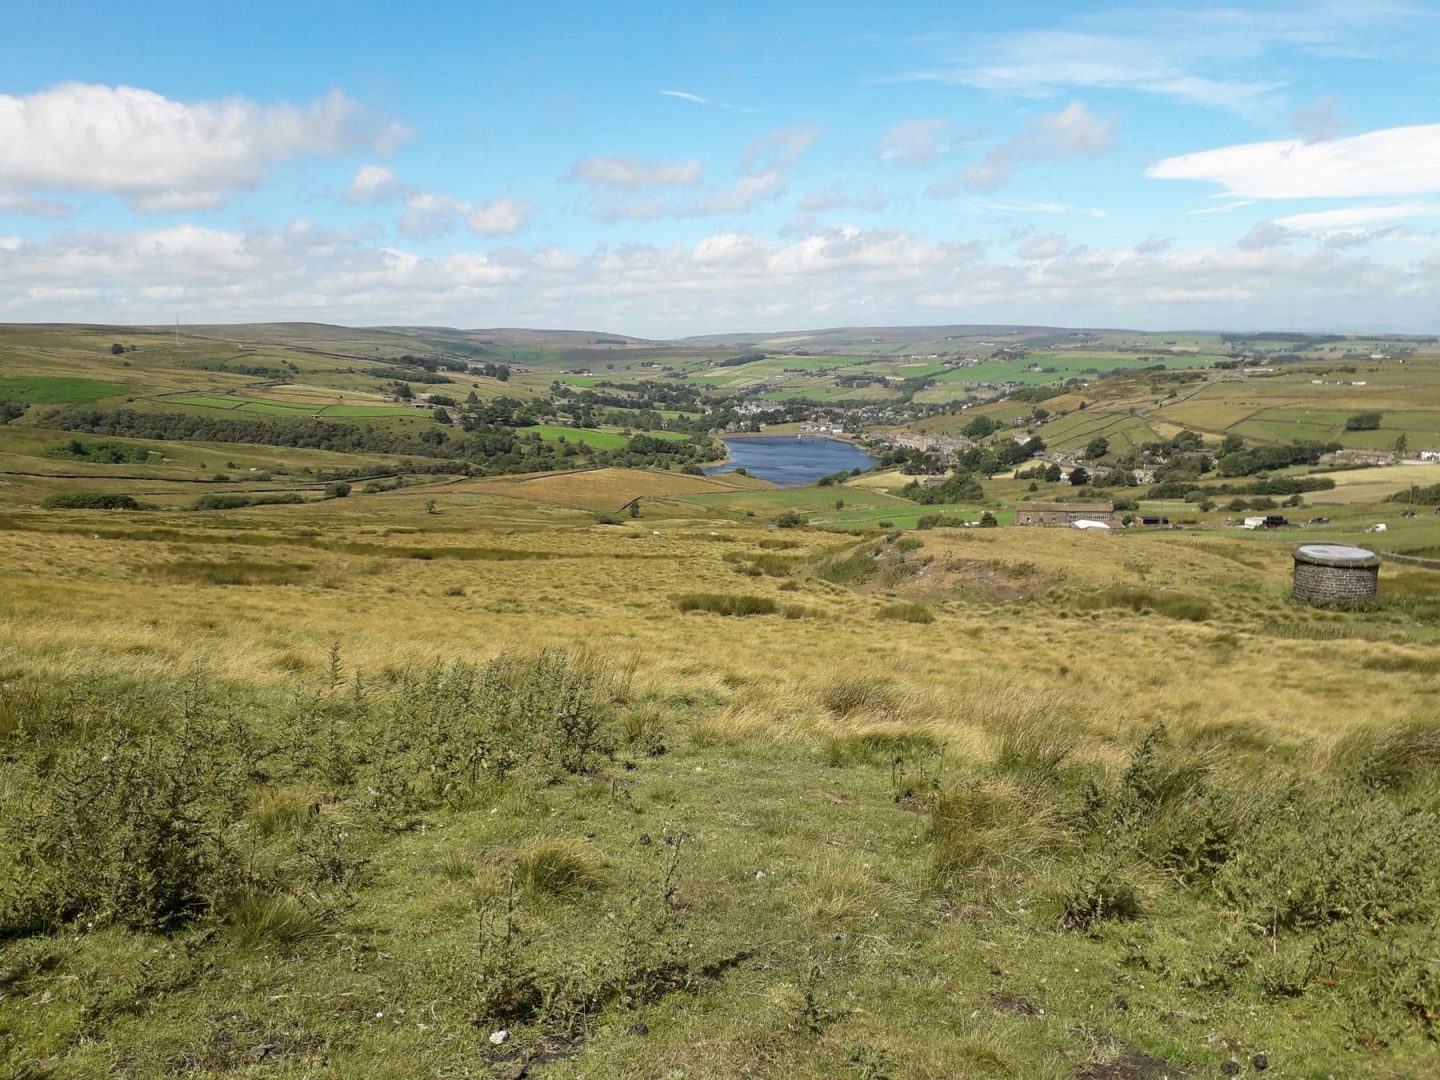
x: 235, y: 572
x: 257, y: 920
x: 283, y: 811
x: 847, y: 697
x: 1417, y: 665
x: 878, y: 746
x: 564, y: 869
x: 911, y: 611
x: 1147, y: 601
x: 726, y: 604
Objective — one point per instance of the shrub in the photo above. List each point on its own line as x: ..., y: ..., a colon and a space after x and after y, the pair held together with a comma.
x: 1097, y: 894
x: 907, y: 611
x: 726, y: 604
x: 220, y: 502
x: 790, y: 519
x: 337, y: 490
x: 82, y: 500
x: 130, y: 828
x: 853, y: 569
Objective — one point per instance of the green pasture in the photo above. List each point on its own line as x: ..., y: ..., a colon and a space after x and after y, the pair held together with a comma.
x: 55, y: 390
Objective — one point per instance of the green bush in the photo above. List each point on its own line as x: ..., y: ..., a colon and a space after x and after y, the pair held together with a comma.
x: 907, y: 611
x: 726, y: 604
x: 81, y: 500
x: 132, y: 827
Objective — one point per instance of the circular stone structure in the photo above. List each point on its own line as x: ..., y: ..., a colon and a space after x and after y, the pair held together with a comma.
x: 1335, y: 575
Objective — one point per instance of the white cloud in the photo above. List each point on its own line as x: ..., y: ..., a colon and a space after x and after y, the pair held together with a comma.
x: 1318, y: 121
x: 11, y: 203
x: 728, y: 280
x: 838, y: 197
x: 164, y: 155
x: 920, y: 142
x: 778, y: 150
x: 1266, y: 234
x: 1043, y: 247
x: 619, y: 171
x: 1388, y: 162
x: 374, y: 184
x: 500, y: 217
x: 1351, y: 216
x: 1072, y: 132
x: 429, y: 215
x: 741, y: 196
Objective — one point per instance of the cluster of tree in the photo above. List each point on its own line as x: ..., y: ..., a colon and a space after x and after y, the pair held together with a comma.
x: 743, y: 358
x: 308, y: 433
x: 430, y: 363
x: 1426, y: 496
x: 961, y: 486
x: 234, y: 501
x: 404, y: 375
x: 500, y: 372
x: 1365, y: 421
x: 104, y: 453
x: 90, y: 500
x: 1280, y: 485
x: 1252, y: 460
x: 12, y: 410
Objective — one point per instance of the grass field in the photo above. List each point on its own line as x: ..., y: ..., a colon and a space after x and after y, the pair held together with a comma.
x: 486, y: 777
x: 600, y: 438
x: 49, y: 390
x: 828, y: 873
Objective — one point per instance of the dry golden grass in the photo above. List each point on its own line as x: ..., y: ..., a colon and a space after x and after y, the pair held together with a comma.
x: 384, y: 579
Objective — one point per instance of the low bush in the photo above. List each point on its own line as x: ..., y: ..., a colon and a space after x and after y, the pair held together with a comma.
x: 906, y: 611
x: 726, y: 604
x: 89, y: 500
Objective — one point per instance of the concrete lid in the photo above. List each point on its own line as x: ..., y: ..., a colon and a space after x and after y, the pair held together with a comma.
x: 1336, y: 555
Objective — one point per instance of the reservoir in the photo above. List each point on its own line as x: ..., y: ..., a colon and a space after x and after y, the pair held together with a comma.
x: 787, y: 461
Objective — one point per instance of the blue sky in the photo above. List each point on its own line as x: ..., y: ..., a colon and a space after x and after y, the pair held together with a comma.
x: 664, y: 169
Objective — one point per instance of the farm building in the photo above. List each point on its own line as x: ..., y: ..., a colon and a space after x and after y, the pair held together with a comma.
x: 1061, y: 513
x: 1335, y: 575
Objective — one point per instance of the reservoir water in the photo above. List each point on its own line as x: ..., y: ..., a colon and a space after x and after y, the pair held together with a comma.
x: 787, y: 461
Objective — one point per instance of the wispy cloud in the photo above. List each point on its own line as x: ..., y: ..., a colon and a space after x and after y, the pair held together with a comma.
x: 1392, y: 161
x: 620, y: 171
x: 1074, y: 131
x: 920, y: 142
x: 989, y: 205
x: 698, y: 99
x: 1205, y: 56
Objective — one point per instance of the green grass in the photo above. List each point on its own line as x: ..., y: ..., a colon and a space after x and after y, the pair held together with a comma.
x: 55, y: 390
